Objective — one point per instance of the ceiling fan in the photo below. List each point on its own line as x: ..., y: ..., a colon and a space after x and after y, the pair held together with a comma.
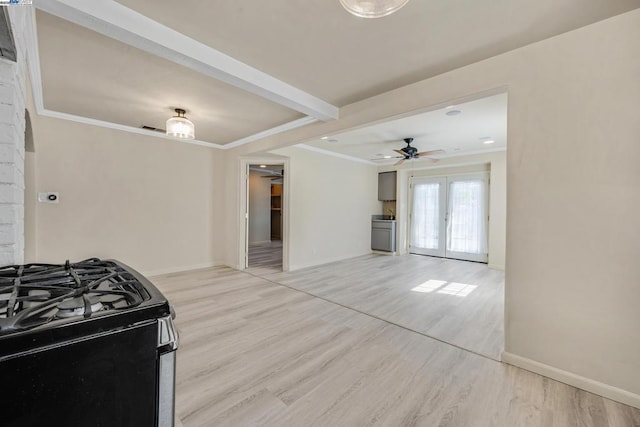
x: 410, y: 153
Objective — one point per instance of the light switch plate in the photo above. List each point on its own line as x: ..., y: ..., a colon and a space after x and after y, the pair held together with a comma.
x: 50, y: 197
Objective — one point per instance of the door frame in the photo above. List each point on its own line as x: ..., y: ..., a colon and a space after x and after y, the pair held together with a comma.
x: 445, y: 181
x: 440, y: 251
x: 484, y: 258
x: 243, y: 208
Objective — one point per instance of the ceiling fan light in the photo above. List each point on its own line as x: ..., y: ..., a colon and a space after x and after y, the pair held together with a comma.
x: 180, y: 127
x: 372, y: 8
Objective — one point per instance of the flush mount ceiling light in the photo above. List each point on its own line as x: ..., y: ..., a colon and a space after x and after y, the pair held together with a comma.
x: 179, y: 126
x: 372, y: 8
x: 487, y: 140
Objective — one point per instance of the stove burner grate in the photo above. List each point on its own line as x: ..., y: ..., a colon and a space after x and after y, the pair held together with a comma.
x: 35, y: 294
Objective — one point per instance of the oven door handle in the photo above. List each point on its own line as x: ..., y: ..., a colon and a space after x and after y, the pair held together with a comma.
x: 167, y: 335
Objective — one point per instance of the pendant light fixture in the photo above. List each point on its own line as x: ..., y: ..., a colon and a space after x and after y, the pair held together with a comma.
x: 179, y: 126
x: 372, y: 8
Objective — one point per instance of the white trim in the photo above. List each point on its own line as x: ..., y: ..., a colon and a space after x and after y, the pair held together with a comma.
x: 243, y: 204
x: 114, y: 20
x: 583, y: 383
x: 269, y: 132
x: 334, y: 154
x: 125, y: 128
x: 182, y: 269
x: 33, y: 59
x: 410, y: 164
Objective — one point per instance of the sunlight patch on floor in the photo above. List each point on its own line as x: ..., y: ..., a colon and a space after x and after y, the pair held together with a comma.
x: 453, y: 288
x: 429, y: 286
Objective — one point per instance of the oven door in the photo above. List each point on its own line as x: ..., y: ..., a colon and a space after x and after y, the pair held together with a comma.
x: 167, y: 346
x: 106, y: 380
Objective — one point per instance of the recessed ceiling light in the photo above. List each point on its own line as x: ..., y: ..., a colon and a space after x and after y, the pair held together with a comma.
x: 324, y: 138
x: 452, y: 113
x: 387, y: 157
x: 263, y: 166
x: 488, y: 141
x: 332, y: 141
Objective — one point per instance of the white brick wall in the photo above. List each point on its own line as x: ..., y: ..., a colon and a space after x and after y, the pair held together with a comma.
x: 12, y: 122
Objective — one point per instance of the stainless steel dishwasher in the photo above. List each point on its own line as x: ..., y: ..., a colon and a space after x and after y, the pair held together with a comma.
x: 383, y: 235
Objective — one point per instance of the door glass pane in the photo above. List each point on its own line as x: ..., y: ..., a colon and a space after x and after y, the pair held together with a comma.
x: 425, y: 216
x: 467, y: 223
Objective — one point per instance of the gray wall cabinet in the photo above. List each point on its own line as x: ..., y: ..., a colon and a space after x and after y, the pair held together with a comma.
x: 387, y: 186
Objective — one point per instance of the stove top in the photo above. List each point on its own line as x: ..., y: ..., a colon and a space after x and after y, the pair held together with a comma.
x: 34, y: 295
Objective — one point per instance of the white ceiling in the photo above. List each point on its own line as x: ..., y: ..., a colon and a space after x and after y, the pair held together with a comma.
x: 462, y: 134
x: 313, y: 45
x: 88, y: 74
x: 318, y: 47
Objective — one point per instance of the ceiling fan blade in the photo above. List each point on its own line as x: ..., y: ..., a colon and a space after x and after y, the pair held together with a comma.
x: 389, y: 158
x: 402, y: 153
x: 428, y: 153
x: 398, y: 163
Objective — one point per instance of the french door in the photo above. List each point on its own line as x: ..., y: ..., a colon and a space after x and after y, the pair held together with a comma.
x: 449, y: 217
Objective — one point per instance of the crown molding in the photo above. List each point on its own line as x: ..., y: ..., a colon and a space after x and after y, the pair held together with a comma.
x: 33, y: 58
x: 125, y: 128
x: 116, y: 21
x: 33, y: 61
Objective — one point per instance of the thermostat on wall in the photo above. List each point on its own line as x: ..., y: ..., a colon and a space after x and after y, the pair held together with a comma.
x: 48, y: 197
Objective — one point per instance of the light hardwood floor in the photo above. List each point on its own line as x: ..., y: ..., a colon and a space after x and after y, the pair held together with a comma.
x: 253, y: 352
x: 265, y: 258
x: 459, y: 302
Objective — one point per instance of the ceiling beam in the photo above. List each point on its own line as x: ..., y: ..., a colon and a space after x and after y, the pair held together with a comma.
x: 273, y: 131
x: 114, y: 20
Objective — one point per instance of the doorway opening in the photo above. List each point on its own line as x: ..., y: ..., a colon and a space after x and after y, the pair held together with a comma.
x: 450, y: 216
x: 265, y: 217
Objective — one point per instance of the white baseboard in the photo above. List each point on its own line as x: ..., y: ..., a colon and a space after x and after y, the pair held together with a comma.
x: 181, y: 269
x: 587, y: 384
x: 374, y: 251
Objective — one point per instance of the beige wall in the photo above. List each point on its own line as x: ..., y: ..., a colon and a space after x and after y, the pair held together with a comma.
x: 331, y: 201
x: 146, y: 201
x: 259, y: 208
x: 573, y: 177
x: 573, y: 236
x: 572, y: 171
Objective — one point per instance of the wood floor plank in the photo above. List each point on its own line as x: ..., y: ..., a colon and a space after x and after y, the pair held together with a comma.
x: 259, y: 353
x: 459, y: 302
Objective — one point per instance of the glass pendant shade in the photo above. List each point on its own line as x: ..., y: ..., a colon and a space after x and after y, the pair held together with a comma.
x: 180, y: 127
x: 372, y: 8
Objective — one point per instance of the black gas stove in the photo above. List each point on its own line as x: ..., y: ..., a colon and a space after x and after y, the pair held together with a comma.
x: 90, y: 343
